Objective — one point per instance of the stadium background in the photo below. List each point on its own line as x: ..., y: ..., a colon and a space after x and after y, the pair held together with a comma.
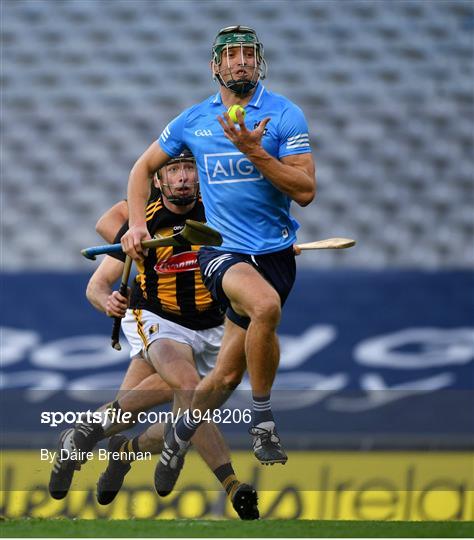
x: 375, y: 388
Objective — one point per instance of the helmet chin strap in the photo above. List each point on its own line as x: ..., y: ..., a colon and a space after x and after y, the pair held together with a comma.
x: 240, y: 87
x: 181, y: 201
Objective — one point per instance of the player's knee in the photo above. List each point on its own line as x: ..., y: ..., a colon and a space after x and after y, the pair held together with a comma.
x: 226, y: 380
x: 230, y: 380
x: 267, y: 310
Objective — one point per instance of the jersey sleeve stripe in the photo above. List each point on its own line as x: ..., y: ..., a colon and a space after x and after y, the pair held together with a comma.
x: 302, y: 145
x: 301, y: 139
x: 166, y: 133
x: 300, y: 136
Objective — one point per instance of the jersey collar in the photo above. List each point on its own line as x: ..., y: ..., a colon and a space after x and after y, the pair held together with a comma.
x: 255, y: 102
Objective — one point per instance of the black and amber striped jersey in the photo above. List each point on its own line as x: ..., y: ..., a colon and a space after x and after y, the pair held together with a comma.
x: 169, y: 282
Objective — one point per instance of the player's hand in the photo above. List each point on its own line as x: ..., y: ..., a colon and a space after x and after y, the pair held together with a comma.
x: 132, y: 242
x: 296, y: 250
x: 245, y: 140
x: 116, y: 305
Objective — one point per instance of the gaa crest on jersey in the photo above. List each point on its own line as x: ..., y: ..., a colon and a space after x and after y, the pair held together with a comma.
x: 228, y: 167
x: 181, y: 262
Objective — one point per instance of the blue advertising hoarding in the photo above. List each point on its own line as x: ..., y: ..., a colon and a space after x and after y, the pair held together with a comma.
x: 368, y: 358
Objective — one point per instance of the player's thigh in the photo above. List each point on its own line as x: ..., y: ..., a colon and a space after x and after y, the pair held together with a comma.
x: 174, y: 361
x: 249, y: 292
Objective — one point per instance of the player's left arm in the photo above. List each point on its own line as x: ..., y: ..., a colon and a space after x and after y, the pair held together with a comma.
x: 112, y: 220
x: 293, y: 174
x: 99, y: 289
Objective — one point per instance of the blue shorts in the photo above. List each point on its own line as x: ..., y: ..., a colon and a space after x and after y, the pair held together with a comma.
x: 278, y: 268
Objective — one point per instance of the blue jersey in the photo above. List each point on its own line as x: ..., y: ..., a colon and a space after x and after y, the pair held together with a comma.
x: 252, y: 215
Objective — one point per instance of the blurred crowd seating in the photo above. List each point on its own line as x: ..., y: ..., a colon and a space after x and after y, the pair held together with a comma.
x: 387, y: 88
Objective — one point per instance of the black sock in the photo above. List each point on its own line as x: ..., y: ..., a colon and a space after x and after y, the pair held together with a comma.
x: 262, y: 410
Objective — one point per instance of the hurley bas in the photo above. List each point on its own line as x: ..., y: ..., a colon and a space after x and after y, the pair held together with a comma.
x: 102, y: 455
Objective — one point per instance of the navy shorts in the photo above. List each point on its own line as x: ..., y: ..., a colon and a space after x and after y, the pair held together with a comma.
x: 278, y: 268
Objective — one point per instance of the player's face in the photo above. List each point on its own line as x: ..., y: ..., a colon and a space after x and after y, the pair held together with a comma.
x: 238, y: 63
x: 179, y: 179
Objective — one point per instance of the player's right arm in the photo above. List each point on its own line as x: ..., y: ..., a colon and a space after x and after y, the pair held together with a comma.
x: 112, y: 220
x: 99, y: 289
x: 138, y: 194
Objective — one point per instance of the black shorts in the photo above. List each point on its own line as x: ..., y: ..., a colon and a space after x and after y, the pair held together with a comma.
x: 278, y: 268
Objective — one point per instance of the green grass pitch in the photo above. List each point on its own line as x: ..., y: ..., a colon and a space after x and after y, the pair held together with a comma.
x: 232, y: 528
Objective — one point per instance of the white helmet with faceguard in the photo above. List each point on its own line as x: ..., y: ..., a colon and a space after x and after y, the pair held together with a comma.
x: 238, y: 36
x: 180, y: 194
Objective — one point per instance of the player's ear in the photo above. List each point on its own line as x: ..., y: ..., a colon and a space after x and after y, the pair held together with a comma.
x: 213, y: 67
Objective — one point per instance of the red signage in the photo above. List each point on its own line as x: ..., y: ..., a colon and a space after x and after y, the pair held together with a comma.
x: 182, y: 262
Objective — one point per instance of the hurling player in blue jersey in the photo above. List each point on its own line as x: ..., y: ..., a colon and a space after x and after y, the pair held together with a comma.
x: 249, y: 174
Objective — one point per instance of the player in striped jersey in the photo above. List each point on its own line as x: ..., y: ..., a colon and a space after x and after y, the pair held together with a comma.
x: 180, y: 327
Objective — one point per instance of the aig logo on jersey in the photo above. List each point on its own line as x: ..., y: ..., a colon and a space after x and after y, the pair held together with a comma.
x: 230, y: 167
